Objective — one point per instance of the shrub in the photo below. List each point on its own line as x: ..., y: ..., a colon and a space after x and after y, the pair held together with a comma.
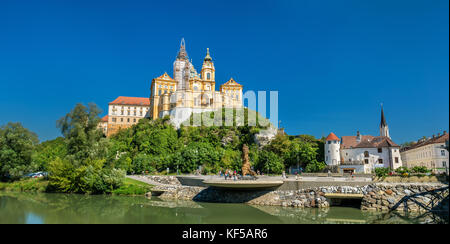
x: 402, y: 170
x: 382, y: 172
x: 420, y: 169
x: 143, y: 162
x: 315, y: 166
x: 91, y: 177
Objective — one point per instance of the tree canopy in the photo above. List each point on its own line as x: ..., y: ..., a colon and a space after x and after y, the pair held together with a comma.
x: 16, y: 149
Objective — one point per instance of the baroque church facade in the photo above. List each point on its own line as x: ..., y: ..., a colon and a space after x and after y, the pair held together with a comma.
x: 191, y: 92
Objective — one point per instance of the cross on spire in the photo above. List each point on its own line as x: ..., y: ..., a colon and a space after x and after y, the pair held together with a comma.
x: 208, y: 57
x: 182, y: 54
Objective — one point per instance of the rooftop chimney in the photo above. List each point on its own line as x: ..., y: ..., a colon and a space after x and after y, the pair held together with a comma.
x: 358, y: 136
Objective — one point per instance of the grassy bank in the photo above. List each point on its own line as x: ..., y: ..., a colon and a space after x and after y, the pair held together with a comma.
x: 132, y: 187
x: 27, y: 185
x: 129, y: 187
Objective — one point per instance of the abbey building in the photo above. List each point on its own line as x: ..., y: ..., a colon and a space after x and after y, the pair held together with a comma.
x: 186, y: 93
x: 191, y: 92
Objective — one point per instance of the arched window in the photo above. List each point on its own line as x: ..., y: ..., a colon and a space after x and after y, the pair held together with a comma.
x: 208, y: 76
x: 366, y: 154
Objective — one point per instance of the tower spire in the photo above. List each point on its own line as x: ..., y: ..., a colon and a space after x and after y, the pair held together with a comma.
x: 182, y: 54
x: 384, y: 129
x: 383, y: 119
x: 208, y: 57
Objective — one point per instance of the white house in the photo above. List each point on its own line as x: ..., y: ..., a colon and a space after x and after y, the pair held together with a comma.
x: 431, y: 153
x: 363, y: 153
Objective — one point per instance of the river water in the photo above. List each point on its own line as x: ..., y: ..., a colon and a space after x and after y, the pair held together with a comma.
x: 45, y: 208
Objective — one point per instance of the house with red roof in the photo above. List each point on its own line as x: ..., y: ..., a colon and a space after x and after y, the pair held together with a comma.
x: 123, y: 113
x: 363, y: 153
x: 429, y: 152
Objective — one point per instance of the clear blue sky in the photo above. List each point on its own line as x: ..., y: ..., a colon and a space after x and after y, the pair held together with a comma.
x: 333, y: 62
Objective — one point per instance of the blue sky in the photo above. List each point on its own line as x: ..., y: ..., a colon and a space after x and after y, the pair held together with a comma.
x: 332, y: 62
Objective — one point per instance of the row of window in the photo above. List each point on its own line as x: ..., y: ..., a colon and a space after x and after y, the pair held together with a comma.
x: 426, y: 154
x: 170, y: 87
x: 380, y: 160
x: 160, y: 92
x: 129, y: 113
x: 208, y: 88
x: 129, y: 108
x: 114, y: 120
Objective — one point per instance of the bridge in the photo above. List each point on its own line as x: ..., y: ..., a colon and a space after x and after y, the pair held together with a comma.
x: 436, y: 208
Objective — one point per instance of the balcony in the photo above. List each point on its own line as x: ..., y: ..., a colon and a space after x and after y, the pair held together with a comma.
x: 355, y: 162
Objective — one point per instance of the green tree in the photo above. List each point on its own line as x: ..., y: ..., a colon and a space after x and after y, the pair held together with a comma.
x: 198, y: 154
x: 84, y: 168
x: 48, y: 151
x: 16, y: 148
x: 315, y: 166
x: 269, y: 162
x: 83, y: 138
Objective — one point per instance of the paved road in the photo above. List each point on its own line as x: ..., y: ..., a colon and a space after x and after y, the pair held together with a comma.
x: 145, y: 180
x: 264, y: 178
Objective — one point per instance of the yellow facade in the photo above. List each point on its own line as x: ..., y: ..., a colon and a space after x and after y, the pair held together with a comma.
x: 191, y: 90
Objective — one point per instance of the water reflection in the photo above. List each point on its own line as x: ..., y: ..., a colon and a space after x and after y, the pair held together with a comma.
x: 66, y: 208
x: 33, y: 219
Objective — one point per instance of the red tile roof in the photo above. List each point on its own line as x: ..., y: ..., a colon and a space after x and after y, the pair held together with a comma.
x: 141, y: 101
x: 367, y: 142
x: 350, y: 141
x: 332, y: 137
x: 104, y: 119
x: 439, y: 139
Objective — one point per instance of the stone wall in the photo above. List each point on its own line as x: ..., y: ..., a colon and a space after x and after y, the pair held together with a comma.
x: 376, y: 196
x: 164, y: 179
x: 387, y: 196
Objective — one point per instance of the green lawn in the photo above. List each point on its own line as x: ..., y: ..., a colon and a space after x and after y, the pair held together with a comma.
x: 132, y: 187
x: 129, y: 187
x: 29, y: 184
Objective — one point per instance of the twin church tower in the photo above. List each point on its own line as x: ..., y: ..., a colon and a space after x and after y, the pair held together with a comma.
x: 191, y: 92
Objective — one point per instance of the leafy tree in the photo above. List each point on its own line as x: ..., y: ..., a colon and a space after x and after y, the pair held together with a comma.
x: 231, y: 159
x: 83, y: 169
x: 83, y: 138
x: 315, y: 166
x: 269, y: 162
x: 48, y: 151
x: 143, y: 162
x: 198, y: 154
x: 280, y: 145
x: 16, y: 148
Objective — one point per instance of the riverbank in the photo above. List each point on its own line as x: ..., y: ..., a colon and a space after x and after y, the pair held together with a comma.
x: 323, y: 193
x: 40, y: 185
